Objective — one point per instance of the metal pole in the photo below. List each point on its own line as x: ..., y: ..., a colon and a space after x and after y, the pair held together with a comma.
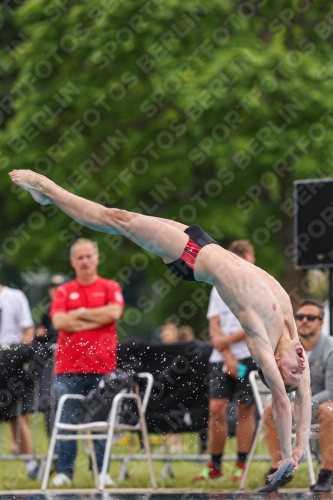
x: 331, y: 300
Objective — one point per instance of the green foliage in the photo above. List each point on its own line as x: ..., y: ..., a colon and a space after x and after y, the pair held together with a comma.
x: 201, y: 111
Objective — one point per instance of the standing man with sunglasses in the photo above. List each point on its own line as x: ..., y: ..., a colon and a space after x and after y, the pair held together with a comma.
x: 319, y: 350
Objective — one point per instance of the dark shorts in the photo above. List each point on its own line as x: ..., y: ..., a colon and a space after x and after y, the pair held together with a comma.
x: 18, y: 400
x: 222, y: 386
x: 183, y: 267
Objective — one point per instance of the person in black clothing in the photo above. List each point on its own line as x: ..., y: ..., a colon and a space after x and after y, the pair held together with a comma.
x: 46, y: 333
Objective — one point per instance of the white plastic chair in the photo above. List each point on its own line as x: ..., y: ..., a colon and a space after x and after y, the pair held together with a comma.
x: 262, y: 396
x: 104, y: 430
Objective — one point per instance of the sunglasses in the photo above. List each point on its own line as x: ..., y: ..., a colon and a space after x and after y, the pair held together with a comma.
x: 309, y: 317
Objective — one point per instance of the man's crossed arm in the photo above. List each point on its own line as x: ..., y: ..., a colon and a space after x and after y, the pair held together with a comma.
x: 83, y: 319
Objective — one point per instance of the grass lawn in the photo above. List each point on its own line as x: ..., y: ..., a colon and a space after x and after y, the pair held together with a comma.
x: 13, y: 474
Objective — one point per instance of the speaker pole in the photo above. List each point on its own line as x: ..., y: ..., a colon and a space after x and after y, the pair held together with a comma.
x: 331, y: 300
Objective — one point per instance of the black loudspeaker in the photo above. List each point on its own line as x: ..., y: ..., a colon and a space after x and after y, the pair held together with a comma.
x: 313, y: 223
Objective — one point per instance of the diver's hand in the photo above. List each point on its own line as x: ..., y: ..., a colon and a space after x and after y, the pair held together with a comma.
x: 286, y: 466
x: 298, y: 454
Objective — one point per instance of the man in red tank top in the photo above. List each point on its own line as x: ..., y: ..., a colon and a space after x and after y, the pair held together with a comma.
x: 84, y: 311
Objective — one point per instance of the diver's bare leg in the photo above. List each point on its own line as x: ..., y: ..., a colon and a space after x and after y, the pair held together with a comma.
x: 150, y: 233
x: 173, y: 223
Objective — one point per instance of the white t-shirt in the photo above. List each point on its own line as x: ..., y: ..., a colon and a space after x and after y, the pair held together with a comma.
x: 229, y: 324
x: 15, y: 315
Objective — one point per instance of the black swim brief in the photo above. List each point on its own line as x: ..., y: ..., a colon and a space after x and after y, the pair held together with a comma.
x: 183, y: 267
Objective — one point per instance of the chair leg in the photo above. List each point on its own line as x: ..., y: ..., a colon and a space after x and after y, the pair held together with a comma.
x: 251, y: 455
x: 93, y: 461
x: 123, y: 474
x: 146, y: 444
x: 310, y: 465
x: 49, y: 459
x: 167, y: 471
x: 108, y: 443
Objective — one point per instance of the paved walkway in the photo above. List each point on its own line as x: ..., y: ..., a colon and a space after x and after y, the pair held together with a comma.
x: 140, y: 491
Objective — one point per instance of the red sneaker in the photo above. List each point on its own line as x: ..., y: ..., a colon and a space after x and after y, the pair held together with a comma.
x: 210, y: 472
x: 237, y: 472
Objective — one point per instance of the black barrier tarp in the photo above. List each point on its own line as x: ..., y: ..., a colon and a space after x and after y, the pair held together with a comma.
x: 179, y: 400
x: 20, y: 366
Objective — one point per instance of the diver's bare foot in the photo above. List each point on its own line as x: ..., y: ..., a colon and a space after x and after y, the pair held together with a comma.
x: 31, y: 182
x: 27, y: 179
